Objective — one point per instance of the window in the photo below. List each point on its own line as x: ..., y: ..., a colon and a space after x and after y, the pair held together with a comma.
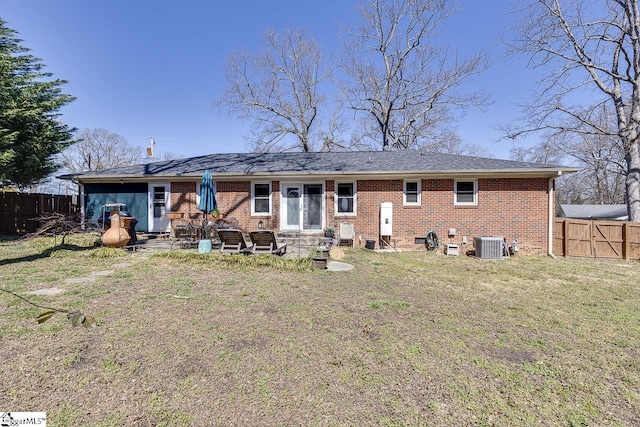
x: 198, y: 186
x: 412, y: 193
x: 345, y: 198
x: 466, y: 192
x: 260, y: 198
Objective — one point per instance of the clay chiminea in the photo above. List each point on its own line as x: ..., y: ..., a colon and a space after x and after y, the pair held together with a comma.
x: 116, y: 236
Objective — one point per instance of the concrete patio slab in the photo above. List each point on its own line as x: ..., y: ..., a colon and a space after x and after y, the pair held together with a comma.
x: 339, y: 266
x: 80, y: 280
x: 47, y: 291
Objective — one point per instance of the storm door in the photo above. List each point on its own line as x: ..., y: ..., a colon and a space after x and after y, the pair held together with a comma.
x: 158, y: 207
x: 302, y: 207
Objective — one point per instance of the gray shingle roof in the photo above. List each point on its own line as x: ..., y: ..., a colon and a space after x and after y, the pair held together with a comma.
x: 594, y: 211
x: 352, y: 162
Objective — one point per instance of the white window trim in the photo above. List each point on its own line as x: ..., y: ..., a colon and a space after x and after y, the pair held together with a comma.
x: 475, y: 193
x: 198, y: 187
x: 404, y: 192
x: 253, y: 199
x: 355, y: 199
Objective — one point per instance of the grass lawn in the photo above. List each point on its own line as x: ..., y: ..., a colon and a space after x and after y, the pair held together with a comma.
x: 409, y: 338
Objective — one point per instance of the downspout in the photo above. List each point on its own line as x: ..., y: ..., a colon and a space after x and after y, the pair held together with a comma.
x: 551, y: 210
x: 82, y: 206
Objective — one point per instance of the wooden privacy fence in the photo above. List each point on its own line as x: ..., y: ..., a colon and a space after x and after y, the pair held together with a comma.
x: 17, y: 210
x: 596, y: 239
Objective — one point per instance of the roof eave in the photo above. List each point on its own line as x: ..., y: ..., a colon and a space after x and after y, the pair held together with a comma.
x: 380, y: 174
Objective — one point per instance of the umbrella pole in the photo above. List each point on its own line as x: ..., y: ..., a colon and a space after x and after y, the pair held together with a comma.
x: 204, y: 225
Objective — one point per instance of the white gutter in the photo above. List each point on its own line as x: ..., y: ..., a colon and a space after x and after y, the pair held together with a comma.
x: 440, y: 174
x: 82, y: 207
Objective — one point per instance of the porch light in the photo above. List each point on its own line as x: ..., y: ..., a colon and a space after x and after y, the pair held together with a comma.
x: 261, y: 224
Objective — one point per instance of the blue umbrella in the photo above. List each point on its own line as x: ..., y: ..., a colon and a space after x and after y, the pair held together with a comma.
x: 207, y: 194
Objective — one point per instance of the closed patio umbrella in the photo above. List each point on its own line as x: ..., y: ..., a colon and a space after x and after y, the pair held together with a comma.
x: 206, y: 205
x: 207, y: 195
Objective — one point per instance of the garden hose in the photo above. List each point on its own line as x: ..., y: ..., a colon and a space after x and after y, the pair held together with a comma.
x: 431, y: 241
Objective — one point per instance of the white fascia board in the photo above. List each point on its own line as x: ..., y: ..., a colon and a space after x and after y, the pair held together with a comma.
x: 373, y: 175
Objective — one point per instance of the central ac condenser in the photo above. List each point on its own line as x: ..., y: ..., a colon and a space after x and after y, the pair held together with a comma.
x: 489, y: 247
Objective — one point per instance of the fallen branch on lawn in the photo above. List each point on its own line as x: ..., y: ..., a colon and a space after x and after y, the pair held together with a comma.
x: 75, y: 317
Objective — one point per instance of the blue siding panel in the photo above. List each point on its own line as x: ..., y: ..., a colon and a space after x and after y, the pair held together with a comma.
x: 135, y: 196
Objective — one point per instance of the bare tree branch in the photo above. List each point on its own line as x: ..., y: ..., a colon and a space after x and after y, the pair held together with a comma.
x: 400, y: 79
x: 278, y: 91
x: 591, y: 55
x: 99, y: 149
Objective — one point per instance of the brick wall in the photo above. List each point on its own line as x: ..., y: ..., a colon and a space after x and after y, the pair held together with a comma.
x: 183, y: 197
x: 510, y: 208
x: 514, y: 208
x: 234, y: 200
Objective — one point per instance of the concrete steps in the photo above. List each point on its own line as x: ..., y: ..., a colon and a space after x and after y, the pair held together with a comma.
x: 304, y: 239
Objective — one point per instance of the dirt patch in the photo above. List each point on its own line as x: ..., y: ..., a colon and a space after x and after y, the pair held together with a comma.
x: 513, y: 355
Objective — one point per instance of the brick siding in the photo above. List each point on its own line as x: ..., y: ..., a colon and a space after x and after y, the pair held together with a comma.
x: 234, y: 200
x: 509, y: 208
x: 183, y: 197
x: 513, y: 208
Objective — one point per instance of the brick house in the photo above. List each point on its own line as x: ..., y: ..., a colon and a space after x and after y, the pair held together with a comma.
x: 307, y: 192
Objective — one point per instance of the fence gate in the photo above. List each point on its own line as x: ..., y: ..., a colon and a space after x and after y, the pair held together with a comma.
x: 596, y: 239
x: 607, y: 240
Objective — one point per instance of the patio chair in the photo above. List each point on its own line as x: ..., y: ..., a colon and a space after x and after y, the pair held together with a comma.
x: 347, y: 234
x: 232, y: 242
x: 264, y: 242
x: 183, y: 232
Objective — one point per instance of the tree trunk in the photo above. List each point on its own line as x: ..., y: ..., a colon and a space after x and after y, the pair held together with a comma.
x: 633, y: 182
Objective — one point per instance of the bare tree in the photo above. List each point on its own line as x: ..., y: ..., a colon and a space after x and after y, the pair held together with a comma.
x: 99, y: 149
x: 602, y: 162
x: 278, y: 91
x: 403, y: 79
x: 590, y: 54
x: 449, y: 142
x: 95, y: 149
x: 543, y: 152
x: 574, y: 189
x: 168, y: 155
x: 600, y: 179
x: 599, y: 156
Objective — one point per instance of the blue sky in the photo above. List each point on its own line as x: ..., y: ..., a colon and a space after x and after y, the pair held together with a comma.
x: 143, y: 68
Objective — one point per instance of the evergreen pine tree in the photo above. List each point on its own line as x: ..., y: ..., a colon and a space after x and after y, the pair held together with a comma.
x: 30, y: 132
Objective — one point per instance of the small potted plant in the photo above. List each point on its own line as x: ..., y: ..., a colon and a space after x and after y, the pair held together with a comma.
x: 329, y: 232
x: 217, y: 213
x: 320, y: 256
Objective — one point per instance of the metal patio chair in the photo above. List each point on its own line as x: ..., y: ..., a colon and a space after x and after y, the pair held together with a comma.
x: 183, y: 233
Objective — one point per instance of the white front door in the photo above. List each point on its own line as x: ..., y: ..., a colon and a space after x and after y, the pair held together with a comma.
x: 302, y: 207
x: 158, y: 197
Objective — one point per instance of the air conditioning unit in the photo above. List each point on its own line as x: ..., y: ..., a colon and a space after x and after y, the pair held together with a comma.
x: 489, y: 247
